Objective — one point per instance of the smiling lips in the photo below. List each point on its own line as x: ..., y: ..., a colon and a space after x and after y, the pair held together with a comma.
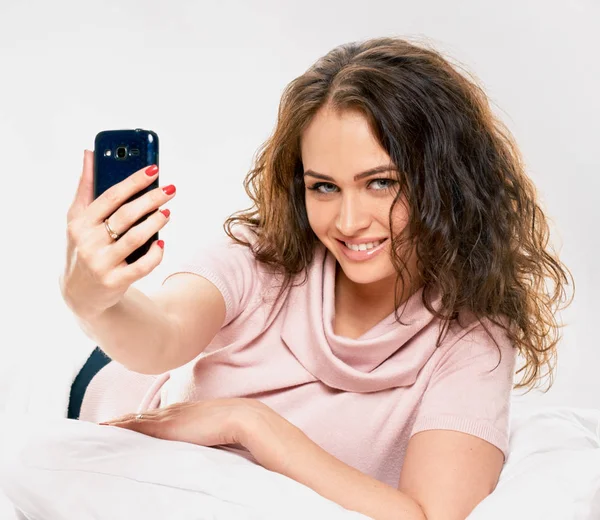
x: 363, y: 250
x: 363, y: 246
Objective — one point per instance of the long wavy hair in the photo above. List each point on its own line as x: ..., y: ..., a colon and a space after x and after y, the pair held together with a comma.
x: 479, y: 233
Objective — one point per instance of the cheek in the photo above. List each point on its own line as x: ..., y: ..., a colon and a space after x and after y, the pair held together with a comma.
x: 318, y: 217
x: 399, y: 216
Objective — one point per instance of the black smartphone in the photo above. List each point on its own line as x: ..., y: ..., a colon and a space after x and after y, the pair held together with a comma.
x: 117, y: 155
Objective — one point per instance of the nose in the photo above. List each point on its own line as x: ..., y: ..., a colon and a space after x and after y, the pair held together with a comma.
x: 353, y: 216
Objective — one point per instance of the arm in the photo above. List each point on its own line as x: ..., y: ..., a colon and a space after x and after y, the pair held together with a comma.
x: 445, y: 473
x: 279, y: 446
x: 154, y: 334
x: 135, y: 332
x: 449, y: 472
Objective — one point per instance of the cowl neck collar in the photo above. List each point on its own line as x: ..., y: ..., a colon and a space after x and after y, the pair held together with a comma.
x: 388, y: 355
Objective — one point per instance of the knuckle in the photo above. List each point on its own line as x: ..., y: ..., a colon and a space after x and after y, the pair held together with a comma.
x: 73, y: 230
x: 141, y: 180
x: 112, y: 195
x: 139, y: 269
x: 157, y: 196
x: 109, y: 281
x: 127, y: 213
x: 87, y: 258
x: 70, y: 215
x: 98, y: 270
x: 169, y: 428
x: 135, y: 271
x: 133, y: 237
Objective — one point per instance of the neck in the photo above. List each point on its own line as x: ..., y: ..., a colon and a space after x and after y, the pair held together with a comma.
x: 368, y: 294
x: 363, y: 300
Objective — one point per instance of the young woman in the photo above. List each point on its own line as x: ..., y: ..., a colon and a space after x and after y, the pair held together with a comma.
x: 358, y: 328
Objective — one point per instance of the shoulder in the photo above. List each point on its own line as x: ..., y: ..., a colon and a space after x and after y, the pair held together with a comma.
x: 472, y: 338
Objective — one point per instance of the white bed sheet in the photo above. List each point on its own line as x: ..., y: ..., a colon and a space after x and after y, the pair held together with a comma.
x: 552, y: 472
x: 7, y: 509
x: 78, y: 470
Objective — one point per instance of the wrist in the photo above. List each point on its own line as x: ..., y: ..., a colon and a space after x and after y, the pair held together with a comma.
x: 264, y: 433
x: 247, y: 421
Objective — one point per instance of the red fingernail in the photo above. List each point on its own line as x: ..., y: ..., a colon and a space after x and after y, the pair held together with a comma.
x: 165, y: 212
x: 151, y: 170
x: 169, y: 190
x: 161, y: 243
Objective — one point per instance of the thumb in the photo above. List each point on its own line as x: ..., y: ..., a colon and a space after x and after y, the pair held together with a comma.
x: 85, y: 190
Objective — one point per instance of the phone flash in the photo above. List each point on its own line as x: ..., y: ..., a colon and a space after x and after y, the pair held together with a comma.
x: 107, y: 153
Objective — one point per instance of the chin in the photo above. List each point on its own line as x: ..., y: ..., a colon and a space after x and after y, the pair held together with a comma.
x: 366, y: 272
x: 367, y: 275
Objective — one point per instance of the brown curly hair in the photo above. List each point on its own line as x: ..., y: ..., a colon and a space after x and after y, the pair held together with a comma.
x: 480, y: 234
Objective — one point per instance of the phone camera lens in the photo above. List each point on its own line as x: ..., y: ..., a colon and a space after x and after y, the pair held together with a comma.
x: 121, y: 152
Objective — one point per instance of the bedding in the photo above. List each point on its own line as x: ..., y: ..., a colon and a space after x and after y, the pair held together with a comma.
x: 552, y: 473
x: 76, y: 470
x: 55, y: 468
x: 553, y: 469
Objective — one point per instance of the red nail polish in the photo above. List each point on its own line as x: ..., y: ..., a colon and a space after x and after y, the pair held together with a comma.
x: 161, y: 243
x: 151, y: 170
x: 169, y: 190
x: 165, y: 212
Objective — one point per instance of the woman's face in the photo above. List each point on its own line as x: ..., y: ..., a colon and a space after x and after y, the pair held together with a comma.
x: 341, y: 208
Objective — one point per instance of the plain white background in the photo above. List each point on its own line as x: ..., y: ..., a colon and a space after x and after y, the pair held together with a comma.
x: 207, y: 77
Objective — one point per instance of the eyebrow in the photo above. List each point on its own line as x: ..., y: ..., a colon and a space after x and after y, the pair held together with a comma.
x: 357, y: 177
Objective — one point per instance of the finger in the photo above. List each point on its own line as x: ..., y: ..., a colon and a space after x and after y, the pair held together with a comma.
x: 85, y: 189
x: 149, y: 415
x: 115, y: 196
x: 122, y: 418
x: 136, y: 237
x: 127, y: 274
x: 148, y: 425
x: 142, y: 207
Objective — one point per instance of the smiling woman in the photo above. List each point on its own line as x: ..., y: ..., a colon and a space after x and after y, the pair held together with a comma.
x: 460, y: 212
x: 386, y: 186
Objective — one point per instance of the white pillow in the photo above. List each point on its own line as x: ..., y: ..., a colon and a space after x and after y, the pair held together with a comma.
x: 7, y: 509
x: 62, y: 469
x: 553, y: 468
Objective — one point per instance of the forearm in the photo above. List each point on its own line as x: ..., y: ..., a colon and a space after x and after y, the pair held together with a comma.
x: 135, y: 332
x: 281, y: 447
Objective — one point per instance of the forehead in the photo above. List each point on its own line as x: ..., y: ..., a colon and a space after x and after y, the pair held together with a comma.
x: 340, y: 143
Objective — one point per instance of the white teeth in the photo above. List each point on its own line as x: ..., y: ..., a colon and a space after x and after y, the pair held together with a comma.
x: 363, y: 247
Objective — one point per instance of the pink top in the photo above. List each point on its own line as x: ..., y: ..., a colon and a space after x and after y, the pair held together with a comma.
x: 359, y: 399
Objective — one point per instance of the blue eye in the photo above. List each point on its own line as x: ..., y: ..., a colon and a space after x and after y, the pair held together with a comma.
x: 317, y: 186
x: 391, y: 183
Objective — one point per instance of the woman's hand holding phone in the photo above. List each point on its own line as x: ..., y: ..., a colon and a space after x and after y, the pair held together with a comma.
x: 96, y: 275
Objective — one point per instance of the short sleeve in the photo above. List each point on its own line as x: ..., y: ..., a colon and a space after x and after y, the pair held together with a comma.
x: 468, y: 392
x: 230, y: 267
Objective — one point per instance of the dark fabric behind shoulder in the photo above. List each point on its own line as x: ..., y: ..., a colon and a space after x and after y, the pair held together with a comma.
x: 92, y: 366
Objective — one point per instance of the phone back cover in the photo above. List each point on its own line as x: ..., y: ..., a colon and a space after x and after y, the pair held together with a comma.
x: 109, y: 171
